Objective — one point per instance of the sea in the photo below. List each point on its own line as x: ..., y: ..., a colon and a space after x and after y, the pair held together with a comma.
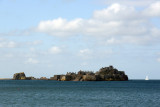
x: 49, y: 93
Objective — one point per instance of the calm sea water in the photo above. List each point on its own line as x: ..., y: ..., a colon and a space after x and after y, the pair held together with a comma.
x: 33, y: 93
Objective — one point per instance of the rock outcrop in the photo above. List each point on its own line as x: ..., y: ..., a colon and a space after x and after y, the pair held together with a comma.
x: 43, y: 78
x: 19, y: 76
x: 30, y: 78
x: 104, y: 74
x: 22, y: 76
x: 111, y: 74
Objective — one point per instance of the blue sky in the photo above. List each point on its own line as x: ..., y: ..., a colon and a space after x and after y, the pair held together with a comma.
x: 47, y: 37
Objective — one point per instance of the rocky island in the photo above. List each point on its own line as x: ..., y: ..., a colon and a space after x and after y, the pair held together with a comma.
x: 22, y: 76
x: 104, y: 74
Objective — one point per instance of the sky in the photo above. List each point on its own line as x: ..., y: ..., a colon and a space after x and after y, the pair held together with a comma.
x: 48, y: 37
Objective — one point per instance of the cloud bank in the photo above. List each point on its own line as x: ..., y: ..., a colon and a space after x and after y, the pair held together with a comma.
x: 116, y: 24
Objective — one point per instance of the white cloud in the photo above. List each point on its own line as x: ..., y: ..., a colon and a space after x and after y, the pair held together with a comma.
x: 1, y: 39
x: 85, y: 53
x: 153, y: 10
x: 140, y: 3
x: 115, y: 12
x: 55, y: 50
x: 32, y: 61
x: 60, y: 27
x: 32, y: 49
x: 18, y: 32
x: 9, y: 55
x: 158, y: 59
x: 8, y: 44
x: 111, y: 41
x: 108, y: 52
x: 11, y: 44
x: 36, y: 42
x: 116, y: 24
x: 88, y: 54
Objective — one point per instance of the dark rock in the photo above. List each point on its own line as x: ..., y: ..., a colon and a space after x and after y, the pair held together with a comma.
x: 22, y: 76
x: 30, y: 78
x: 89, y: 78
x: 112, y: 74
x: 19, y: 76
x: 78, y: 78
x: 57, y: 77
x: 66, y: 78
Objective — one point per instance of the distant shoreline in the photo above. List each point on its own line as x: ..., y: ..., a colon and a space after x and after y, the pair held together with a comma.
x: 5, y: 78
